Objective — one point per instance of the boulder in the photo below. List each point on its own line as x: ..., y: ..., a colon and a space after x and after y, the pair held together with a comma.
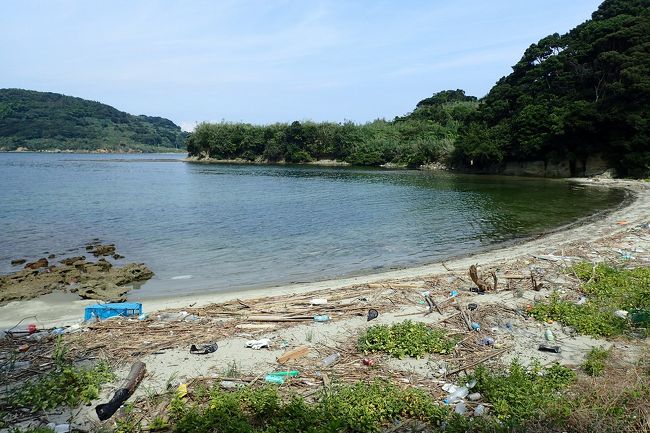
x: 72, y: 260
x: 16, y: 262
x: 103, y: 250
x: 38, y: 264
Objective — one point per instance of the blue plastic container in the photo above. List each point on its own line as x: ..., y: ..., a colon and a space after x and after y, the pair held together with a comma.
x: 104, y: 311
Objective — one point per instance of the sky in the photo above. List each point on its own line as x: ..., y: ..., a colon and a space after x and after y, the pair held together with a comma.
x: 270, y: 61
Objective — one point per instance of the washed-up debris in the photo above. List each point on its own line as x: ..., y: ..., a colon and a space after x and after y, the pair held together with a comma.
x: 279, y: 377
x: 547, y: 348
x: 318, y: 301
x: 106, y: 410
x: 298, y: 352
x: 548, y: 334
x: 322, y: 318
x: 372, y: 314
x: 258, y: 344
x: 331, y: 359
x: 203, y: 349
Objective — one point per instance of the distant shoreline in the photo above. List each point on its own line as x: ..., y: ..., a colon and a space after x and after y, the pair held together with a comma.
x: 92, y: 152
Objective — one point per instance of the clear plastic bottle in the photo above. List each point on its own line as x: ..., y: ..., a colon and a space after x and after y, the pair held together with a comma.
x: 333, y: 358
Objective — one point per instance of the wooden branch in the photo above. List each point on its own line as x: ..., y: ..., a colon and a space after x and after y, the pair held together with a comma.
x: 106, y: 410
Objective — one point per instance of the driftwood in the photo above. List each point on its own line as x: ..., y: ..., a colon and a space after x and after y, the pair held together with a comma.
x: 293, y: 354
x: 106, y: 410
x: 483, y: 286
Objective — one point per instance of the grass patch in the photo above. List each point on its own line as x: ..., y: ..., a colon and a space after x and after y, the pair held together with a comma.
x: 608, y: 289
x: 521, y: 394
x: 405, y: 339
x: 347, y: 408
x: 65, y: 385
x: 595, y: 361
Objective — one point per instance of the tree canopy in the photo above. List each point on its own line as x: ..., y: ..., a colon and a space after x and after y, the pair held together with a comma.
x: 573, y: 95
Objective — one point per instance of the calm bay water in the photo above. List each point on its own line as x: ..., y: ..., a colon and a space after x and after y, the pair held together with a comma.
x: 223, y: 227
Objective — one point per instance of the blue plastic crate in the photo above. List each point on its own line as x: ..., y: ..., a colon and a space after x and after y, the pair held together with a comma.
x: 104, y: 311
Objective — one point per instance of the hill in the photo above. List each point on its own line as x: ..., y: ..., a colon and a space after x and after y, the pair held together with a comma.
x: 47, y: 121
x: 572, y: 98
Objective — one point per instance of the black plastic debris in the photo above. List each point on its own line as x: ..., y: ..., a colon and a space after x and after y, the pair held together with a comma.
x: 372, y: 314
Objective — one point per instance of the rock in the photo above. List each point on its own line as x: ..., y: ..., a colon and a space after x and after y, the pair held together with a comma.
x: 72, y: 260
x: 51, y: 256
x: 103, y: 250
x: 38, y: 264
x: 132, y: 272
x: 17, y: 262
x: 117, y: 256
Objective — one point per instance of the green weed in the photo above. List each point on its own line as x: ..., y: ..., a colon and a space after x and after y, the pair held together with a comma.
x: 595, y: 361
x: 405, y: 339
x: 608, y: 289
x: 521, y: 394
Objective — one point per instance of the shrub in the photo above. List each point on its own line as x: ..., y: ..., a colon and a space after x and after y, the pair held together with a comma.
x: 405, y: 339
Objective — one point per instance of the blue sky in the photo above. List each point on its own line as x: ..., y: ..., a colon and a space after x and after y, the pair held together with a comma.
x: 268, y: 61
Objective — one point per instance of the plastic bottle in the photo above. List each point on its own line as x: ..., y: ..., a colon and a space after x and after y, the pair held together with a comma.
x: 548, y: 335
x: 461, y: 408
x: 479, y: 410
x: 330, y: 359
x: 457, y: 395
x: 322, y: 318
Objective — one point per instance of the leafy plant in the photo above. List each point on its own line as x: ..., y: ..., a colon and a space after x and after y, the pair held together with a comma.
x: 608, y: 289
x: 595, y: 361
x: 522, y: 393
x: 67, y: 385
x: 405, y: 339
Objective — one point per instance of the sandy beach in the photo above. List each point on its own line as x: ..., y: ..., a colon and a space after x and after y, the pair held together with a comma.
x: 59, y: 309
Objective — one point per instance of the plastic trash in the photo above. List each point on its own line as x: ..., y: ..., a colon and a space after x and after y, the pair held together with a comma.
x: 486, y: 341
x: 203, y: 349
x: 318, y: 301
x: 449, y: 388
x: 453, y: 293
x: 258, y: 344
x: 476, y: 326
x: 457, y: 395
x: 472, y: 306
x: 471, y: 384
x: 479, y: 410
x: 31, y: 328
x: 322, y: 318
x: 549, y: 335
x: 143, y: 316
x: 57, y: 331
x: 270, y: 378
x: 369, y: 362
x: 621, y: 313
x: 582, y: 300
x: 509, y: 326
x: 474, y: 396
x: 460, y: 408
x: 372, y: 314
x: 182, y: 390
x: 547, y: 348
x: 227, y: 384
x: 280, y: 376
x: 59, y: 428
x: 333, y: 358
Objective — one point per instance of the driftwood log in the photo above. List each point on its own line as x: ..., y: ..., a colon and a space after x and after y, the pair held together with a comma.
x: 483, y: 286
x: 106, y: 410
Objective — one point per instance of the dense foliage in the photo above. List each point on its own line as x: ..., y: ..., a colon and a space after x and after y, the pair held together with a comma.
x: 571, y: 96
x: 406, y: 338
x: 425, y: 135
x: 45, y: 121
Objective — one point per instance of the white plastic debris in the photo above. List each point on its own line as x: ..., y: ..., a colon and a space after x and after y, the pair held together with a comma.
x: 474, y: 396
x: 258, y: 344
x: 460, y: 408
x: 449, y: 387
x: 59, y: 428
x: 621, y: 313
x: 318, y: 301
x: 479, y: 410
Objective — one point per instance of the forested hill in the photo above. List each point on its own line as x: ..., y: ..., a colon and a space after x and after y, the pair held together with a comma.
x: 45, y: 121
x: 572, y: 96
x: 573, y: 101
